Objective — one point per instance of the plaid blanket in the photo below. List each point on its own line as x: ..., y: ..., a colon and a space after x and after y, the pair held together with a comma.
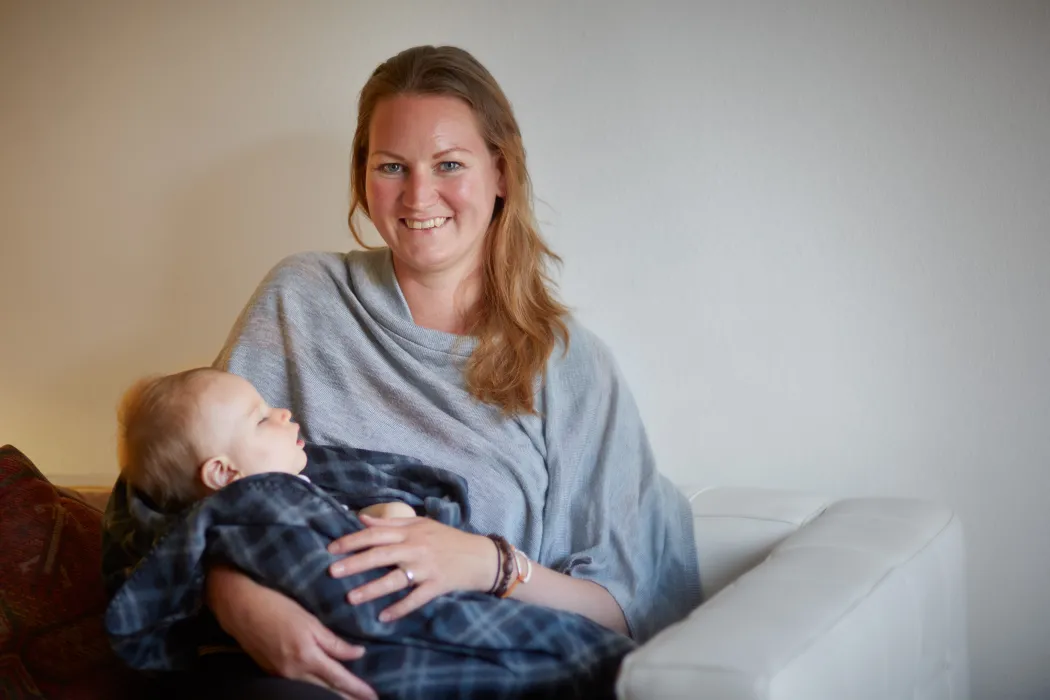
x: 276, y: 528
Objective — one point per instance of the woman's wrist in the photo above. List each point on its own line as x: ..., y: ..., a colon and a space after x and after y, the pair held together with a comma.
x: 505, y: 567
x: 513, y: 567
x: 488, y: 573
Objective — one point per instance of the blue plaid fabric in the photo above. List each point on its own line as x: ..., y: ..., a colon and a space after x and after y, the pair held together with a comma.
x: 276, y: 528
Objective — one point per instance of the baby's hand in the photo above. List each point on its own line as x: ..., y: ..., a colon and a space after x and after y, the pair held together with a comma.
x: 394, y: 509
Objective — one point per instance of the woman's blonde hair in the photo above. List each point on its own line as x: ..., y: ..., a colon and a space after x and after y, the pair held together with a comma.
x: 518, y: 321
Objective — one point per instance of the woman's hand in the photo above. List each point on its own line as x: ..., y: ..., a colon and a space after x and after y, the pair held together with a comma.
x: 281, y: 636
x: 441, y: 558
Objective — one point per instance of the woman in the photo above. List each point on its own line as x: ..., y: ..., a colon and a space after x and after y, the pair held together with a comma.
x: 449, y: 346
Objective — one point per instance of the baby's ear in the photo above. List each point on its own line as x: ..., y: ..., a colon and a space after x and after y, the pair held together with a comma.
x: 218, y: 472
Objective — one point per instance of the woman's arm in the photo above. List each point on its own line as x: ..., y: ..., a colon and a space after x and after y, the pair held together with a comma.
x: 613, y: 517
x: 281, y: 636
x: 587, y: 598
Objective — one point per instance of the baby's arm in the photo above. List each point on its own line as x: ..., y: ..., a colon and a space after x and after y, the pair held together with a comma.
x: 394, y: 509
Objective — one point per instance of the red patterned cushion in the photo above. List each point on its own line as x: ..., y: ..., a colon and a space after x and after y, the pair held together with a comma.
x: 52, y: 642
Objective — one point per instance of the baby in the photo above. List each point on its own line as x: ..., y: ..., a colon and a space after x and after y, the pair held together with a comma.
x: 187, y: 435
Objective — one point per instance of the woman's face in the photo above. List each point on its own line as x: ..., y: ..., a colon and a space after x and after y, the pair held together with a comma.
x: 431, y: 183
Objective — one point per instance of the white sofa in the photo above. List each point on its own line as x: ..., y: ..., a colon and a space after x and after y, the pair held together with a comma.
x: 807, y: 599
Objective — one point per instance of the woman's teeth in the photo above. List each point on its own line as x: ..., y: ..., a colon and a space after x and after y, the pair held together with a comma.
x: 426, y: 223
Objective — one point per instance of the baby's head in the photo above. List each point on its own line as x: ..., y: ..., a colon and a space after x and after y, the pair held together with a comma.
x: 185, y: 435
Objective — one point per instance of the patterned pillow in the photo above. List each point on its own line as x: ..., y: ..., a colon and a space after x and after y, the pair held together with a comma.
x: 52, y: 643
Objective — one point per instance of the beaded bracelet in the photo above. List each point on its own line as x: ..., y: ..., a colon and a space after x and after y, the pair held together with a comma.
x: 499, y: 564
x: 506, y: 555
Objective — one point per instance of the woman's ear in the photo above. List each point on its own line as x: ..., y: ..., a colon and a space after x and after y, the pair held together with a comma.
x: 501, y: 181
x: 218, y: 472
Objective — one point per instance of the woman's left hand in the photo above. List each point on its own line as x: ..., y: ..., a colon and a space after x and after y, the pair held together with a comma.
x: 440, y: 558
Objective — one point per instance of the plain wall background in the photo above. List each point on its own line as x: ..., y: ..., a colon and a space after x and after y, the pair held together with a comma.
x: 816, y: 234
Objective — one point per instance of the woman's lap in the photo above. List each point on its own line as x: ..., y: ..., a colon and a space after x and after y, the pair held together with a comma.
x: 232, y: 677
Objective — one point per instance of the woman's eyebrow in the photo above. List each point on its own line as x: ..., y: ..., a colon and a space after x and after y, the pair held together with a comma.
x: 454, y: 149
x: 436, y: 156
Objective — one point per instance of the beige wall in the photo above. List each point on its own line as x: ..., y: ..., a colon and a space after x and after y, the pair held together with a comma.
x: 157, y: 161
x: 816, y: 234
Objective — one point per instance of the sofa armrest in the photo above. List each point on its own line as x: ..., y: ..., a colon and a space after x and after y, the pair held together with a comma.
x: 865, y: 601
x: 736, y: 528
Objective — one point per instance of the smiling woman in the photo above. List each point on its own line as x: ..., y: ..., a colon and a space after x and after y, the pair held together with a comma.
x: 449, y: 345
x: 437, y: 139
x: 431, y: 185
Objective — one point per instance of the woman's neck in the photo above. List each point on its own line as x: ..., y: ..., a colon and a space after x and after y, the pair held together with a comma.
x: 440, y: 301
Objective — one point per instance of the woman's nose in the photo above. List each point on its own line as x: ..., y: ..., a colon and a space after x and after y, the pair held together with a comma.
x: 420, y: 192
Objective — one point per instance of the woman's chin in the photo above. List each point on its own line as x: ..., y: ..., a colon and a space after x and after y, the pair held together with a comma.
x: 429, y: 258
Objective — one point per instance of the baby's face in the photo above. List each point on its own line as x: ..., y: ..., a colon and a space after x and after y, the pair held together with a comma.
x: 238, y: 423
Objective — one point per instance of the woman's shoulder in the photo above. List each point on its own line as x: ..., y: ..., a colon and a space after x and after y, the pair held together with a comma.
x: 308, y: 269
x: 584, y: 388
x: 305, y: 268
x: 586, y: 362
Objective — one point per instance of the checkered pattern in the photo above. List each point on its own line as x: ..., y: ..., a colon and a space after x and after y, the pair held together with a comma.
x: 276, y: 528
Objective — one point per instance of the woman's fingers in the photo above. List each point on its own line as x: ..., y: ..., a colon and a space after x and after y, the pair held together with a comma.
x: 337, y: 647
x: 369, y: 537
x: 316, y: 680
x: 385, y: 585
x: 441, y: 559
x: 420, y: 596
x: 373, y: 521
x: 331, y: 672
x: 335, y: 676
x: 322, y: 681
x: 281, y: 636
x: 390, y: 555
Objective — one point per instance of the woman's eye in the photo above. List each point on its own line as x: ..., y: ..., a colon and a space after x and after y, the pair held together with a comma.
x: 449, y: 166
x: 391, y: 168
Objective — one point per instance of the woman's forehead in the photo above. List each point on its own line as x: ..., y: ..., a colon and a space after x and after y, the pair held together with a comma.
x: 423, y: 126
